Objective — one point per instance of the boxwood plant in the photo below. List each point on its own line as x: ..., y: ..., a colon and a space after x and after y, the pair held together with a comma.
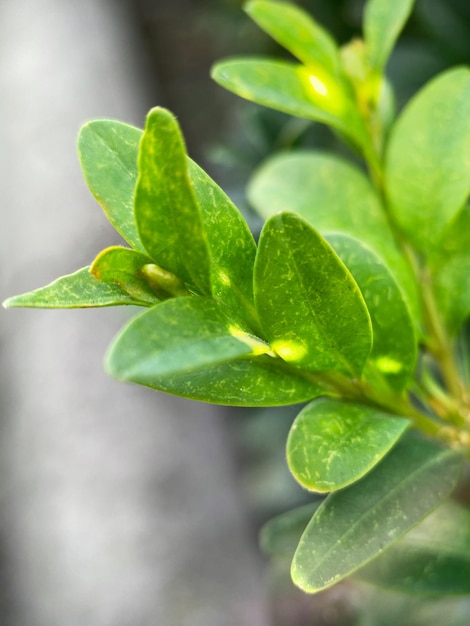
x: 351, y: 302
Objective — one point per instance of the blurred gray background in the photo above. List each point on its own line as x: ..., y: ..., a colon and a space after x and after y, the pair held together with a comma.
x: 121, y: 506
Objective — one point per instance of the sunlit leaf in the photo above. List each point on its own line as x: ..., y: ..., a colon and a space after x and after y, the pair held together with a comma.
x: 310, y: 308
x: 383, y: 22
x: 293, y: 89
x: 298, y: 32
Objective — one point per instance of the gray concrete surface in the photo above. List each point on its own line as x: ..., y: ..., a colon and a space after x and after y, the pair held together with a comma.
x: 118, y: 505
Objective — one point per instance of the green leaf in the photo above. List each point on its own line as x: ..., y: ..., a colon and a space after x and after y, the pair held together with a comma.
x: 296, y: 31
x: 427, y: 179
x: 108, y: 156
x: 280, y: 536
x: 356, y: 524
x: 232, y: 248
x: 332, y: 195
x: 293, y: 89
x: 451, y: 268
x: 123, y: 267
x: 179, y: 336
x: 432, y: 559
x: 333, y: 443
x: 383, y: 22
x: 394, y: 349
x: 256, y: 382
x: 189, y: 347
x: 310, y: 308
x: 168, y: 216
x: 78, y: 290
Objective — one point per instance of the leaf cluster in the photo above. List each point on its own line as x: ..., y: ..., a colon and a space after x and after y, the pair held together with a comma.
x: 351, y: 301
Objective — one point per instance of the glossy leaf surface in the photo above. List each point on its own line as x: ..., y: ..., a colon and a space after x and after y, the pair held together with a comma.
x: 332, y: 195
x: 293, y: 89
x: 427, y: 159
x: 296, y: 31
x: 108, y: 156
x: 78, y: 290
x: 432, y: 559
x: 232, y: 248
x: 333, y: 443
x: 168, y: 216
x: 122, y: 267
x: 383, y: 22
x: 394, y: 348
x: 256, y: 382
x: 356, y: 524
x: 310, y: 308
x: 188, y: 346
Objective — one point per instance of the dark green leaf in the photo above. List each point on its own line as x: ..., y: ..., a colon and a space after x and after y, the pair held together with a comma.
x: 383, y: 22
x: 333, y: 443
x: 78, y: 290
x: 168, y: 216
x: 297, y: 31
x: 356, y: 524
x: 432, y: 559
x: 280, y: 536
x: 333, y: 196
x: 177, y: 337
x: 310, y: 308
x: 189, y: 347
x: 232, y: 248
x: 427, y: 178
x: 394, y: 348
x: 122, y: 267
x: 258, y: 381
x: 108, y: 155
x: 293, y: 89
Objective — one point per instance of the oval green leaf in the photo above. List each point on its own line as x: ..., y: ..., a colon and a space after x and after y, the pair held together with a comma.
x: 427, y: 179
x: 356, y: 524
x: 394, y: 349
x: 433, y: 559
x: 335, y: 196
x: 333, y: 443
x: 293, y: 89
x: 168, y: 216
x: 309, y: 306
x: 298, y: 32
x: 383, y: 22
x: 253, y: 382
x: 77, y: 290
x: 108, y: 156
x: 189, y: 347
